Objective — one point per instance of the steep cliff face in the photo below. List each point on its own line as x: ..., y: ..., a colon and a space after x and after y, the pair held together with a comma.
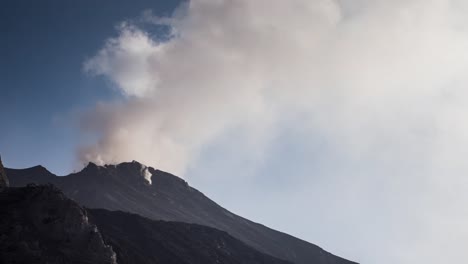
x: 3, y: 178
x: 126, y: 187
x: 38, y: 224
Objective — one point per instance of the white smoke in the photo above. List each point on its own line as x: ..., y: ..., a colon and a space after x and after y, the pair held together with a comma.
x: 382, y: 81
x: 146, y: 174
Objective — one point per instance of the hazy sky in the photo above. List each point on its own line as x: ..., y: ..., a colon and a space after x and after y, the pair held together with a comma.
x: 340, y: 122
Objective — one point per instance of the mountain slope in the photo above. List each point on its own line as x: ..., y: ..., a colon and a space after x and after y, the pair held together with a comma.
x: 3, y: 178
x: 38, y: 224
x: 140, y: 240
x: 166, y: 197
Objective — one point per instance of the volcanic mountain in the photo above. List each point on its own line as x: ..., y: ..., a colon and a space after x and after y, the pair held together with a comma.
x: 135, y: 188
x: 39, y: 224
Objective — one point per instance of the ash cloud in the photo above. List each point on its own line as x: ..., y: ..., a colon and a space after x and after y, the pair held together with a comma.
x: 383, y: 81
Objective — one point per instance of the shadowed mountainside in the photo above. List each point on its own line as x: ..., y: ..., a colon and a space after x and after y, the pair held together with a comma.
x: 137, y: 239
x: 166, y: 197
x: 38, y: 224
x: 3, y: 178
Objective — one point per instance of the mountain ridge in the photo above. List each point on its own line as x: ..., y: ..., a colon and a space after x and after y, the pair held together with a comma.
x: 39, y: 224
x: 123, y: 187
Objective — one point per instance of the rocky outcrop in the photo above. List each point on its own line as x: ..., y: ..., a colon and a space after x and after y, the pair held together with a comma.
x: 38, y: 224
x: 3, y: 178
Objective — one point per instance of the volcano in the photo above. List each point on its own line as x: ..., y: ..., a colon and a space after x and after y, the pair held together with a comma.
x: 135, y: 188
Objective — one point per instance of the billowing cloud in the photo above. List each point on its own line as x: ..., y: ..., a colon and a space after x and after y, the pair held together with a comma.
x: 382, y: 82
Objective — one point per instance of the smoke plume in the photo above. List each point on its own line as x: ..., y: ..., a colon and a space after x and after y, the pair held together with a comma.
x: 382, y: 82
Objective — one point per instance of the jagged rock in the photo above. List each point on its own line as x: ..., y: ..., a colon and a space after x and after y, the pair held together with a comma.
x: 3, y: 178
x: 38, y: 224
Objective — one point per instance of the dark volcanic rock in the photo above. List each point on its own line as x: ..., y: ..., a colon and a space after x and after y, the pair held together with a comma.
x: 3, y: 178
x: 140, y: 240
x: 123, y: 187
x: 38, y: 224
